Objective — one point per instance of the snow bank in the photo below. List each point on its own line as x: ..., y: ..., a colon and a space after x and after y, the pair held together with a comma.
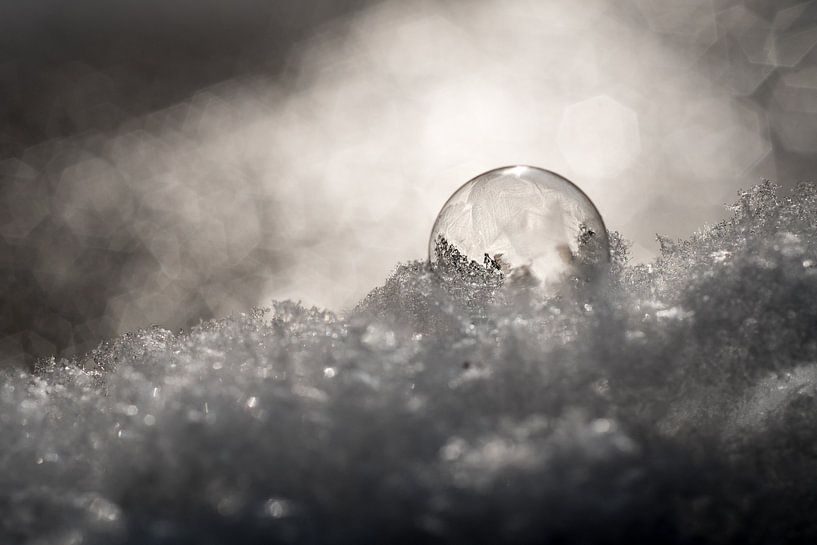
x: 674, y: 402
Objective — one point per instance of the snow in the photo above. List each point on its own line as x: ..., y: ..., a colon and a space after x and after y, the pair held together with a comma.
x: 673, y: 402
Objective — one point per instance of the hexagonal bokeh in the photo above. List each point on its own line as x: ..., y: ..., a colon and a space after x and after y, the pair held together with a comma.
x: 599, y: 137
x: 717, y: 141
x: 691, y: 21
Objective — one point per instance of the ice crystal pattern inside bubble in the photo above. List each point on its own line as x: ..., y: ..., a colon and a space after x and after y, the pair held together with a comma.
x: 522, y: 223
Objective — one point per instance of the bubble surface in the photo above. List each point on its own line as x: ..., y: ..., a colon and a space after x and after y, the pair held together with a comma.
x: 524, y: 221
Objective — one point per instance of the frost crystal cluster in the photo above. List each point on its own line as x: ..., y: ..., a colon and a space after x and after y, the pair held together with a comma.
x: 675, y: 403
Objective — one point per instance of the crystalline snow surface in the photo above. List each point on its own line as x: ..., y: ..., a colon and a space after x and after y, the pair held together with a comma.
x: 681, y: 395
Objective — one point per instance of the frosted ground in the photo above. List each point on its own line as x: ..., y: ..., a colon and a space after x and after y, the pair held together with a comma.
x: 675, y: 402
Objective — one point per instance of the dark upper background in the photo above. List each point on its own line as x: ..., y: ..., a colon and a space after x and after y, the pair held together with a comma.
x: 93, y: 242
x: 68, y: 68
x: 143, y: 54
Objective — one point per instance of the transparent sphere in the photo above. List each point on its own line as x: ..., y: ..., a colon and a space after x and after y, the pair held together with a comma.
x: 522, y: 222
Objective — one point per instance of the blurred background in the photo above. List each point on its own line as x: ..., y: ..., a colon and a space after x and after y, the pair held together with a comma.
x: 166, y: 161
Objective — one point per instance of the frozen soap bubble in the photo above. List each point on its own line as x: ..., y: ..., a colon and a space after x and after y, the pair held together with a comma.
x: 523, y: 223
